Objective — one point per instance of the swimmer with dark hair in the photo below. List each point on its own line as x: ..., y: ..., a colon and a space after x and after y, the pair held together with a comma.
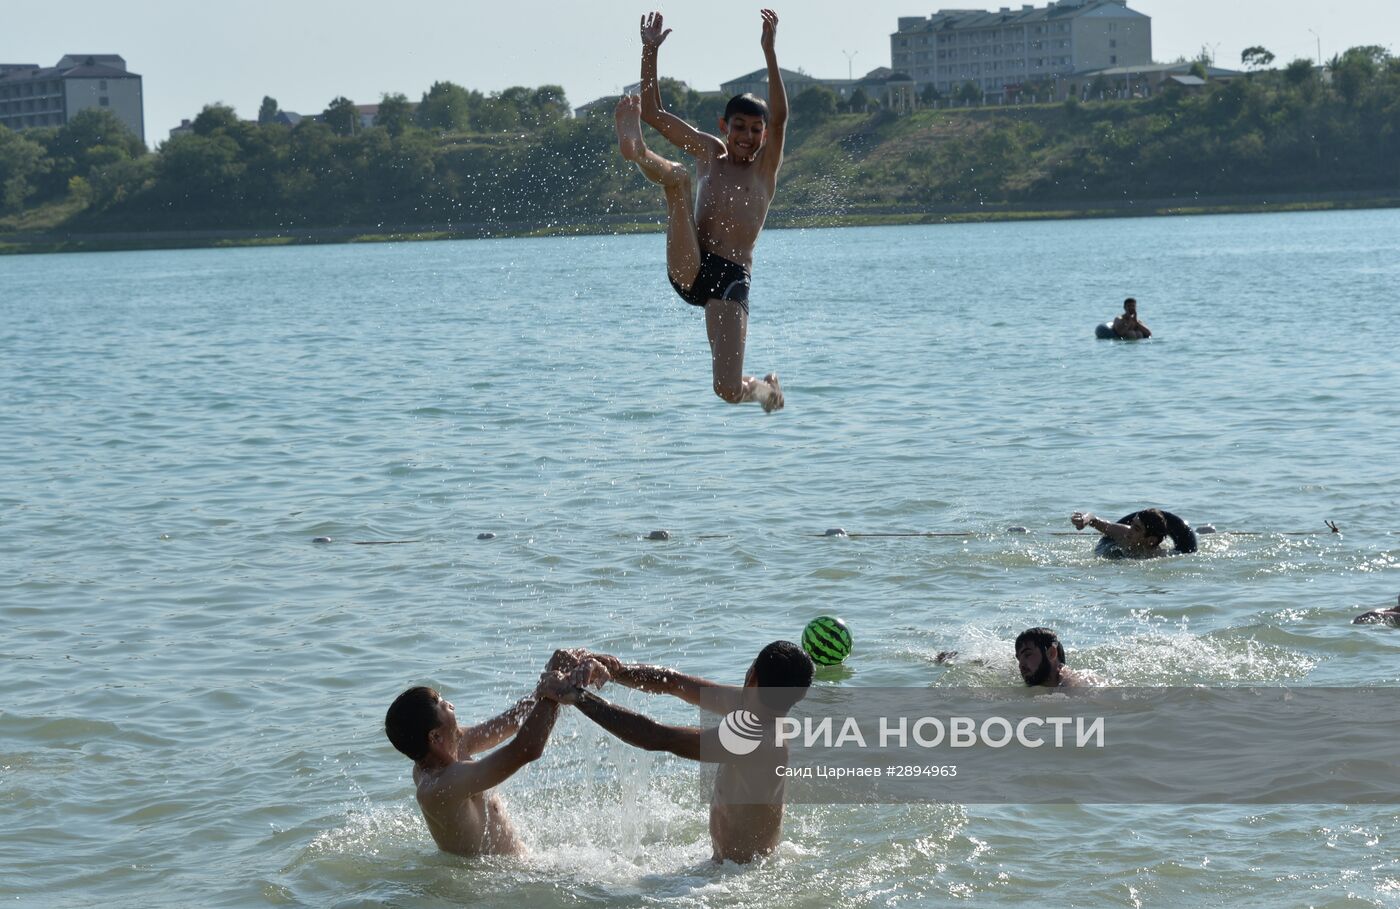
x: 455, y: 789
x: 746, y: 809
x: 1138, y: 535
x: 1126, y: 324
x: 1040, y: 657
x: 1389, y: 617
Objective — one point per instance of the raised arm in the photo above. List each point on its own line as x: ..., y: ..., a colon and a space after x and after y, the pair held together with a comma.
x: 659, y: 680
x: 1118, y: 533
x: 777, y: 101
x: 676, y: 131
x: 487, y: 735
x: 465, y: 778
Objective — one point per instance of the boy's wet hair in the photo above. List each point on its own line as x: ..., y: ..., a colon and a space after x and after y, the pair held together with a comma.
x: 410, y: 718
x: 1155, y: 523
x: 747, y: 104
x: 1043, y: 638
x: 783, y: 666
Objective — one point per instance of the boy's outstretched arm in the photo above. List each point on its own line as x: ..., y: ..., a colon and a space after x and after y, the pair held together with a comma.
x: 639, y: 731
x: 777, y: 102
x: 660, y: 680
x: 678, y: 132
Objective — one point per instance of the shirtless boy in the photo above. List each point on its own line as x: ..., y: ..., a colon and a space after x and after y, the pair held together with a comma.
x: 454, y: 791
x: 710, y: 239
x: 1126, y: 324
x: 746, y: 809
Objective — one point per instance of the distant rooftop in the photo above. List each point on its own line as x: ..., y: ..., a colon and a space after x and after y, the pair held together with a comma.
x: 977, y: 18
x: 71, y: 66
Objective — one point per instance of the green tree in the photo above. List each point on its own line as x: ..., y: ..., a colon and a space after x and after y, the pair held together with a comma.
x: 268, y: 111
x: 446, y: 107
x: 395, y: 114
x: 121, y: 180
x: 496, y: 113
x: 1256, y: 57
x: 92, y: 127
x: 550, y: 104
x: 93, y: 137
x: 341, y: 116
x: 930, y: 95
x: 859, y: 102
x: 968, y: 93
x: 197, y: 171
x: 22, y: 163
x: 815, y: 105
x: 1198, y: 69
x: 678, y: 98
x: 1356, y: 69
x: 1299, y: 71
x: 213, y: 118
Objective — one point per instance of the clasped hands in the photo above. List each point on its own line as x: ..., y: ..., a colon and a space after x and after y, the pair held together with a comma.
x: 569, y: 672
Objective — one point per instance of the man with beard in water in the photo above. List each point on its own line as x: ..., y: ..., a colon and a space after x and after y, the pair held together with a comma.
x: 1041, y: 659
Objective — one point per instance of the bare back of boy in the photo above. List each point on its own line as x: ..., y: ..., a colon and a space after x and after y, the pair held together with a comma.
x: 723, y: 214
x: 746, y: 806
x: 746, y: 810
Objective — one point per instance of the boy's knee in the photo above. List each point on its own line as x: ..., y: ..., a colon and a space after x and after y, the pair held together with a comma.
x: 732, y: 392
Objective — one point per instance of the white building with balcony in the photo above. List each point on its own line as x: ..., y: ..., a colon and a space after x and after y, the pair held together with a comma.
x: 35, y: 96
x: 1002, y: 52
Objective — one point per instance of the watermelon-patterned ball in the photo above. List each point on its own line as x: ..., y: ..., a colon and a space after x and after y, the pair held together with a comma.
x: 827, y: 640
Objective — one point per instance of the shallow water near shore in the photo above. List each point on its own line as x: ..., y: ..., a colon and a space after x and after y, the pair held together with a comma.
x: 191, y: 690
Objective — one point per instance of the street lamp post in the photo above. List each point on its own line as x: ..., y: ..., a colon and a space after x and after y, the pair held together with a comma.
x: 1319, y: 45
x: 850, y: 55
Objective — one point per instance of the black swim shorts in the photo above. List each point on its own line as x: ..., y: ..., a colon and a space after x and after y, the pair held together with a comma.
x: 719, y: 279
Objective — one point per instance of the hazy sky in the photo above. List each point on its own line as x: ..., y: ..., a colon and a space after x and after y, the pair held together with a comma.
x: 306, y: 52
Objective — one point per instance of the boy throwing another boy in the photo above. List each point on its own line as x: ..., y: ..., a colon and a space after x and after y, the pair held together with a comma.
x: 710, y: 235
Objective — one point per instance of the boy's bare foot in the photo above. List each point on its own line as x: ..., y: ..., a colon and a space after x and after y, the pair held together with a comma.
x: 670, y: 174
x: 628, y: 115
x: 774, y: 401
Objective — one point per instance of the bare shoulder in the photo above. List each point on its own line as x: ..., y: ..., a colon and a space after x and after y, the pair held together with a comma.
x: 1079, y: 678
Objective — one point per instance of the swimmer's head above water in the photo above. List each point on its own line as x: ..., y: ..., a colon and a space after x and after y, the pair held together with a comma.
x: 1039, y: 657
x: 1149, y: 529
x: 420, y: 721
x: 780, y: 676
x: 744, y: 126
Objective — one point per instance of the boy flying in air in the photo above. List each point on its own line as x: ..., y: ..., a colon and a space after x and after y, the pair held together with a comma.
x: 710, y: 237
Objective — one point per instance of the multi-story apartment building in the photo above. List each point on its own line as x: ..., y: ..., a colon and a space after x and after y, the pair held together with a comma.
x: 1000, y: 52
x: 31, y: 95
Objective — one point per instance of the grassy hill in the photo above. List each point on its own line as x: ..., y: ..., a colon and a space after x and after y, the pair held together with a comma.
x: 1288, y: 137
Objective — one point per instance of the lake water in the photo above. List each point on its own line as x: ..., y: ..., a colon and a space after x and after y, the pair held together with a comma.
x: 192, y: 692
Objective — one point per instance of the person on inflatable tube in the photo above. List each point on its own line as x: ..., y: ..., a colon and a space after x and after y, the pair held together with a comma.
x: 1138, y: 535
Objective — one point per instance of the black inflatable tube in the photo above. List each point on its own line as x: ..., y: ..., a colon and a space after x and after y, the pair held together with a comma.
x: 1182, y: 536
